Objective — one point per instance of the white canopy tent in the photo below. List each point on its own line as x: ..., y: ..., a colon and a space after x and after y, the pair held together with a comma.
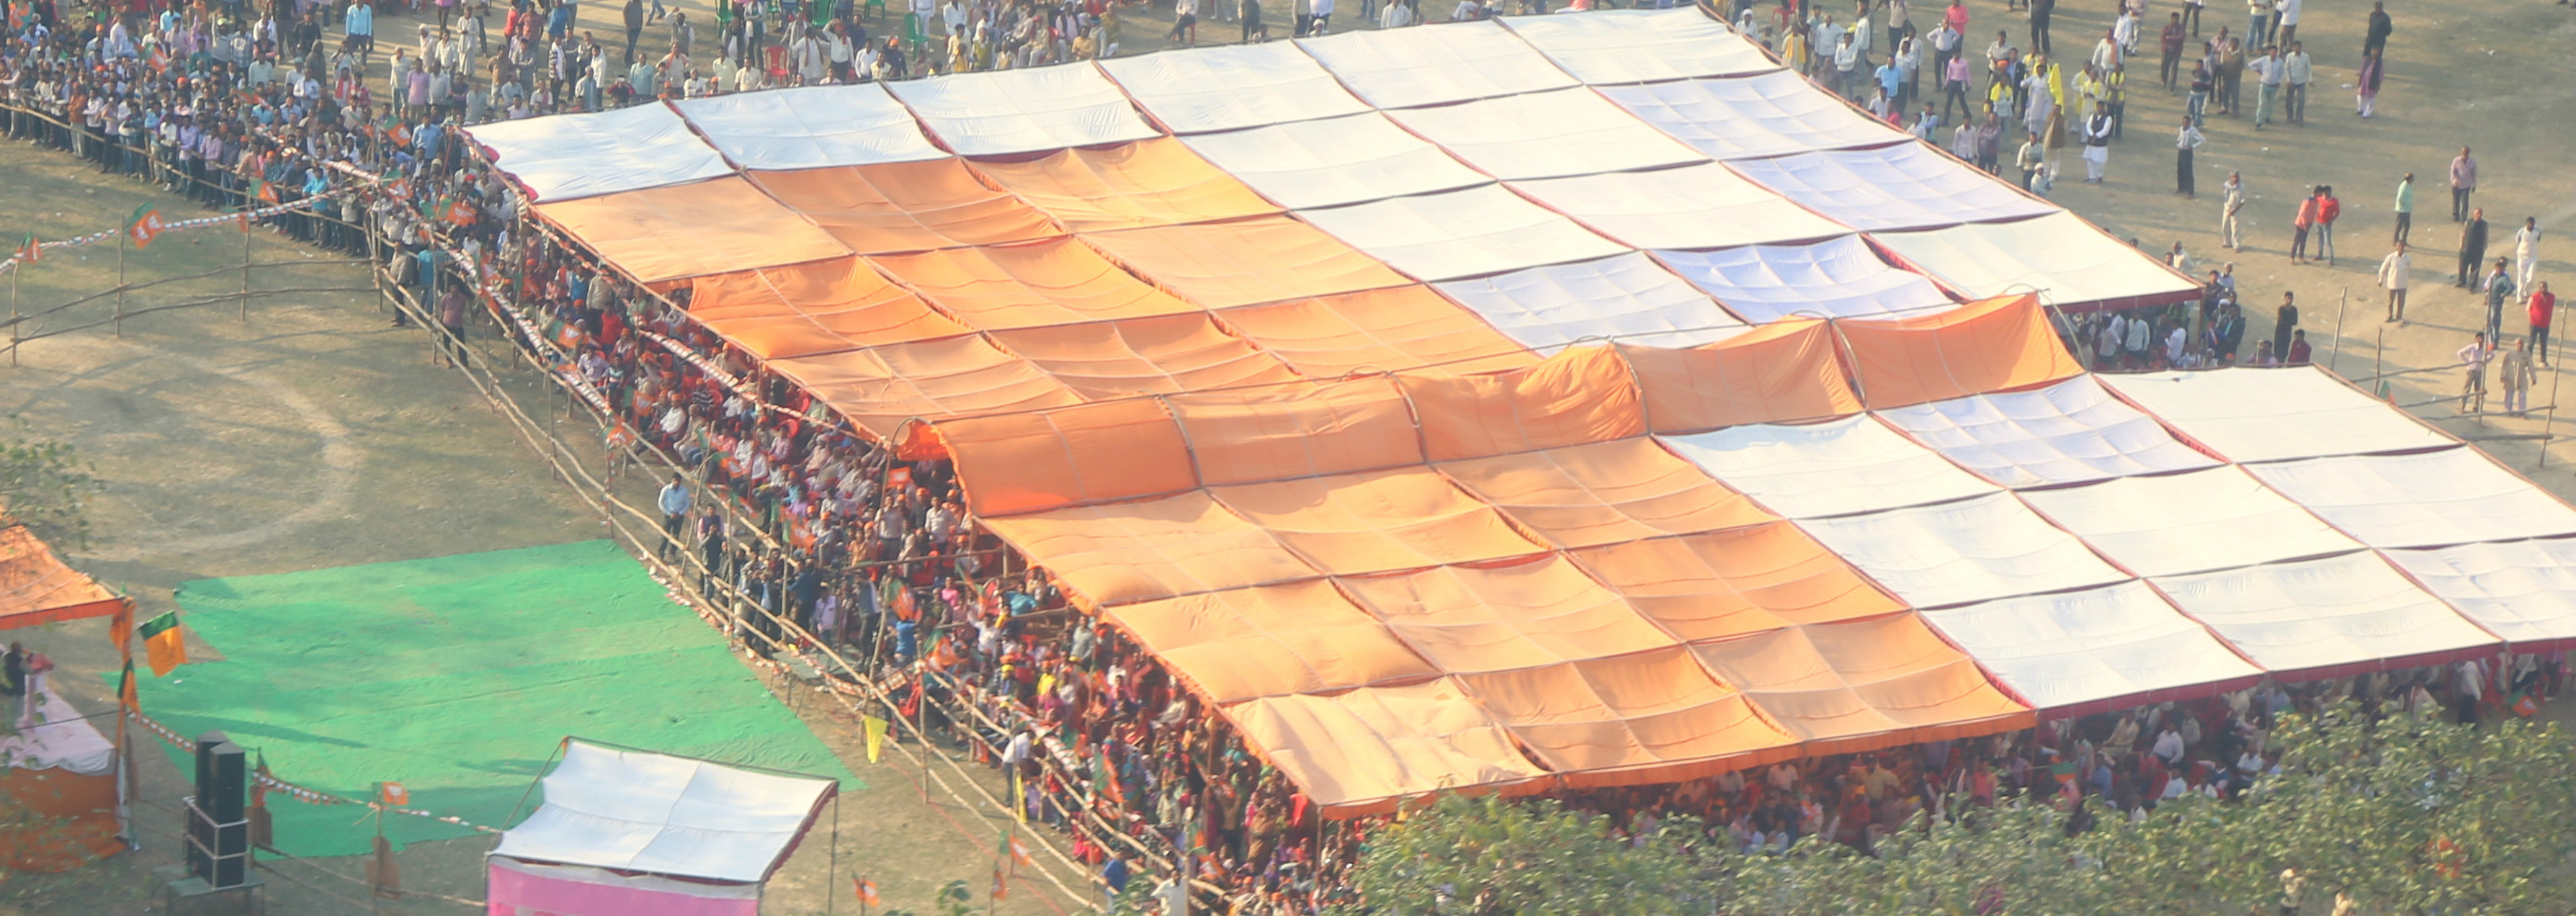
x: 1545, y: 135
x: 568, y: 156
x: 1640, y: 46
x: 1023, y: 111
x: 1855, y: 464
x: 810, y: 127
x: 2069, y: 432
x: 2186, y: 523
x: 1773, y: 114
x: 1626, y: 298
x: 638, y: 811
x: 1904, y: 186
x: 2249, y: 415
x: 2328, y: 617
x: 1839, y: 277
x: 2423, y: 499
x: 1230, y: 87
x: 2071, y: 264
x: 1695, y: 206
x: 1458, y: 234
x: 1433, y: 64
x: 2524, y: 591
x: 1335, y: 161
x: 2074, y: 653
x: 1976, y: 549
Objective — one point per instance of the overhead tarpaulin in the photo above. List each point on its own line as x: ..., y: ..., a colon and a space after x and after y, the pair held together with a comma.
x: 1378, y: 521
x: 37, y: 589
x: 2524, y: 591
x: 2072, y: 265
x: 1022, y: 111
x: 1640, y: 45
x: 1996, y: 345
x: 1156, y: 182
x: 2425, y: 499
x: 1161, y: 355
x: 1649, y: 718
x: 517, y: 887
x: 2247, y: 414
x: 1545, y: 135
x: 2078, y: 653
x: 813, y: 308
x: 1735, y: 582
x: 1089, y: 453
x: 1773, y: 114
x: 1032, y: 285
x: 1625, y: 298
x: 1401, y: 68
x: 1837, y: 467
x: 1605, y: 493
x: 1246, y: 261
x: 1271, y: 640
x: 1699, y: 206
x: 1360, y: 751
x: 1147, y: 550
x: 569, y: 156
x: 1231, y: 87
x: 1576, y: 397
x: 1904, y: 186
x: 1785, y: 371
x: 809, y: 127
x: 906, y: 206
x: 1335, y: 161
x: 2173, y: 524
x: 1378, y: 330
x: 2069, y: 432
x: 1308, y: 429
x: 692, y: 230
x: 1840, y: 277
x: 882, y: 387
x: 1864, y: 684
x: 2331, y: 617
x: 638, y: 811
x: 1955, y: 553
x: 1458, y: 234
x: 1506, y: 617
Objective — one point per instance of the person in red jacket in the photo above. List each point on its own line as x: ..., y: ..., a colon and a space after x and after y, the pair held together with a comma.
x: 2328, y: 208
x: 2544, y: 306
x: 2304, y: 223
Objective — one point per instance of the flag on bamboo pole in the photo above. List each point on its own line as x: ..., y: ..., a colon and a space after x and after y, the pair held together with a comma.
x: 125, y: 690
x: 1001, y: 866
x: 262, y: 190
x: 162, y: 643
x: 143, y: 225
x: 31, y: 250
x: 876, y: 729
x: 1020, y: 853
x: 867, y: 892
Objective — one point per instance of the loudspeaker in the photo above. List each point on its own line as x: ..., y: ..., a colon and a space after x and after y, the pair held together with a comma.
x: 218, y: 830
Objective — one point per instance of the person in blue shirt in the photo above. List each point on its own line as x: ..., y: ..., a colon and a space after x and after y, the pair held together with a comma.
x: 675, y: 502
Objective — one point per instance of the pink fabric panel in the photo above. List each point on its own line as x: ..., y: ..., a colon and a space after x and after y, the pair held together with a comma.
x: 518, y: 893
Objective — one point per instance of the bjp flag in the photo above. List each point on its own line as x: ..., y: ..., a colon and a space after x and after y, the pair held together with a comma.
x: 867, y: 892
x: 143, y: 225
x: 31, y: 251
x: 162, y: 644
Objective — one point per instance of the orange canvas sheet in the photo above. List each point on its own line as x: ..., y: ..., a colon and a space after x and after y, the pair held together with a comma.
x: 1736, y: 582
x: 882, y: 387
x: 1158, y: 182
x: 37, y: 589
x: 1306, y: 429
x: 692, y: 230
x: 1779, y: 372
x: 1358, y: 752
x: 820, y: 307
x: 1378, y: 521
x: 1379, y: 330
x: 1145, y: 550
x: 906, y: 206
x: 1866, y: 684
x: 1045, y: 459
x: 1163, y: 355
x: 1033, y: 285
x: 1652, y: 717
x: 1580, y: 395
x: 1246, y: 261
x: 1605, y: 493
x: 1998, y: 344
x: 1273, y: 640
x: 1506, y: 617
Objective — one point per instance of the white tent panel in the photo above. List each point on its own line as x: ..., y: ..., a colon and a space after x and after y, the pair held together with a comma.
x: 1696, y: 206
x: 1837, y: 278
x: 1855, y: 464
x: 1954, y: 553
x: 1228, y: 87
x: 1905, y: 186
x: 1023, y: 111
x: 2068, y: 649
x: 2524, y: 591
x: 1461, y: 233
x: 1626, y: 298
x: 1336, y: 161
x: 810, y: 127
x: 2186, y: 523
x: 2428, y: 499
x: 1773, y: 114
x: 2069, y: 432
x: 1545, y: 135
x: 2249, y: 415
x: 1638, y: 46
x: 563, y: 157
x: 2352, y: 610
x: 2068, y: 261
x: 1429, y: 65
x: 647, y: 812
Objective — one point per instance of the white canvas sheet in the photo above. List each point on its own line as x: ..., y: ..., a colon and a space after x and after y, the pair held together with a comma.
x: 810, y: 127
x: 1023, y: 111
x: 1545, y: 135
x: 563, y: 157
x: 1836, y: 278
x: 1432, y: 64
x: 2524, y: 591
x: 1905, y: 186
x: 1335, y: 161
x: 1626, y: 298
x: 2430, y: 499
x: 1697, y: 206
x: 2351, y: 611
x: 2251, y: 415
x: 2069, y: 432
x: 2070, y: 263
x: 1773, y: 114
x: 1459, y: 234
x: 1228, y: 87
x: 1638, y: 46
x: 640, y: 811
x: 2119, y: 643
x: 1954, y: 553
x: 60, y: 739
x: 2186, y: 523
x: 1855, y: 464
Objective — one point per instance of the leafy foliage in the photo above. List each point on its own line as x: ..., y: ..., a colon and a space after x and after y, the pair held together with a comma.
x: 43, y: 484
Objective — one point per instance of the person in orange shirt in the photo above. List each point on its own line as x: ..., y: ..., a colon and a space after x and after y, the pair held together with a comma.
x: 2303, y: 224
x: 2328, y: 208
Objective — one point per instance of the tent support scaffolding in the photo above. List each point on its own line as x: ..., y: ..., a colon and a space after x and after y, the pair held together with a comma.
x: 2341, y: 299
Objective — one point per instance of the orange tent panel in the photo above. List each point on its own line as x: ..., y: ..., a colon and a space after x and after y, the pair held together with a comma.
x: 1998, y: 344
x: 1299, y: 430
x: 1358, y: 752
x: 1003, y: 287
x: 1246, y: 261
x: 906, y: 206
x: 1158, y: 182
x: 882, y: 387
x: 37, y: 589
x: 1379, y: 330
x: 1580, y: 395
x: 1866, y: 684
x: 1025, y: 462
x: 1506, y: 617
x: 1652, y: 717
x: 1172, y: 353
x: 1273, y: 640
x: 1378, y: 521
x: 805, y: 309
x: 1779, y: 372
x: 692, y: 230
x: 1731, y: 583
x: 1151, y: 549
x: 58, y: 820
x: 1606, y: 492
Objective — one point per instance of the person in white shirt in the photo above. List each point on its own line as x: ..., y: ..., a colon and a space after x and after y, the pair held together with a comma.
x: 2526, y: 252
x: 2392, y: 277
x: 2473, y: 392
x: 1319, y: 17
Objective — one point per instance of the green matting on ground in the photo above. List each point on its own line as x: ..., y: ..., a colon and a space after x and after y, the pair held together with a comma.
x: 457, y: 677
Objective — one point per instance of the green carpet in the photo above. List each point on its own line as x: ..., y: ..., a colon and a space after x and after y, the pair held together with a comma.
x: 457, y: 677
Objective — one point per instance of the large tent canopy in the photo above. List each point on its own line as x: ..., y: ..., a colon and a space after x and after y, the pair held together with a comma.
x: 638, y: 811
